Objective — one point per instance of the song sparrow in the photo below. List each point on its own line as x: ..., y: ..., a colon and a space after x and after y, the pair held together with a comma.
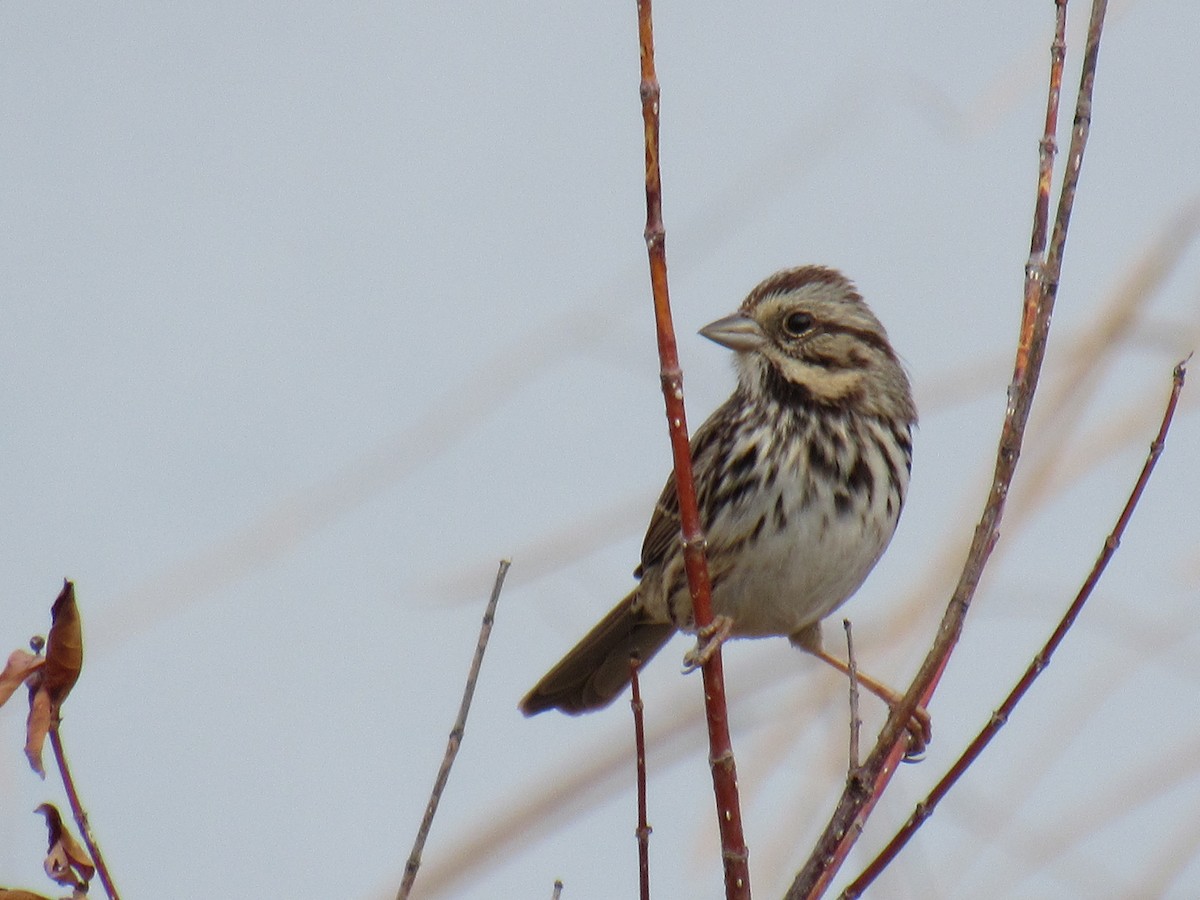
x: 800, y: 476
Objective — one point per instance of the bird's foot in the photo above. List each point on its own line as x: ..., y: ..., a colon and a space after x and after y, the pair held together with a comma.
x: 920, y: 733
x: 708, y: 641
x: 920, y: 725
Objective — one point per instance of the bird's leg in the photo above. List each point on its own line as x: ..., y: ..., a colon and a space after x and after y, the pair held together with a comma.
x: 708, y: 639
x: 920, y: 727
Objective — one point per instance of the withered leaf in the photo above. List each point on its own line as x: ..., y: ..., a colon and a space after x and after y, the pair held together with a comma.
x: 58, y: 867
x: 40, y: 713
x: 64, y: 647
x: 20, y: 664
x: 7, y: 894
x: 66, y: 861
x: 54, y: 822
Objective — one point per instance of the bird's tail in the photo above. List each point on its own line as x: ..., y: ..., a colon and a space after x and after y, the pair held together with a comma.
x: 596, y: 670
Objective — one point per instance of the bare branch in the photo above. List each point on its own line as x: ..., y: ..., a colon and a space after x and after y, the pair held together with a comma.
x: 639, y: 741
x: 77, y: 810
x: 860, y: 795
x: 855, y: 720
x: 456, y: 736
x: 724, y: 774
x: 1000, y: 717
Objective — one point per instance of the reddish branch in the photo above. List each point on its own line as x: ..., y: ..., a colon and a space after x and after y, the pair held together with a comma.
x: 861, y: 793
x: 724, y: 774
x: 1000, y: 717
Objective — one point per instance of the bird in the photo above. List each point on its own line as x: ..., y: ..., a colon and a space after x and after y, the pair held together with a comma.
x: 800, y: 479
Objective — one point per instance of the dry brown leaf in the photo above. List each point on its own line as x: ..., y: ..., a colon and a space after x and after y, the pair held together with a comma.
x: 21, y: 663
x: 54, y: 822
x: 66, y: 861
x: 7, y: 894
x: 64, y: 647
x: 81, y: 860
x: 58, y: 867
x: 40, y: 713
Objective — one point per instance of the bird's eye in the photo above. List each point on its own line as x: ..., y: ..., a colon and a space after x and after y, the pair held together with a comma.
x: 797, y: 323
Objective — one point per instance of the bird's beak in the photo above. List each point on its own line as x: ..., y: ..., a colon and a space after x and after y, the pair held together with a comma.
x: 737, y: 332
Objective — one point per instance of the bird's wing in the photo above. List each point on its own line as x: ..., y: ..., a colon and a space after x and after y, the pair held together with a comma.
x: 663, y: 533
x: 664, y: 528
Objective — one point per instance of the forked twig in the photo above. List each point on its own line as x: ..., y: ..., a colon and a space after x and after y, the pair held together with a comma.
x: 1000, y: 717
x: 724, y: 775
x: 1041, y: 286
x: 639, y: 741
x: 456, y: 736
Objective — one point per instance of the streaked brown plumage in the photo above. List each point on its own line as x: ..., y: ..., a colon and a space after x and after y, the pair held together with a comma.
x: 800, y: 477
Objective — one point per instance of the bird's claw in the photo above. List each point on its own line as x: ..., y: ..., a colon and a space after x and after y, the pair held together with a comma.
x: 708, y: 641
x: 920, y: 733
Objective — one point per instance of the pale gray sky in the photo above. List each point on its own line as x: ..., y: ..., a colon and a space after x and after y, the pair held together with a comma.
x: 309, y: 314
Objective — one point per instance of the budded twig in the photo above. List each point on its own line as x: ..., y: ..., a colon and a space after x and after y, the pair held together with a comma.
x: 1041, y: 286
x: 1000, y: 717
x: 735, y: 856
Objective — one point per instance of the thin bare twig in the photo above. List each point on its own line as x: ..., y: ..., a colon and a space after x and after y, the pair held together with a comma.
x: 1048, y: 147
x: 860, y: 795
x: 456, y: 736
x: 734, y: 854
x: 639, y: 742
x: 1000, y: 717
x: 558, y: 888
x: 77, y: 810
x: 855, y: 720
